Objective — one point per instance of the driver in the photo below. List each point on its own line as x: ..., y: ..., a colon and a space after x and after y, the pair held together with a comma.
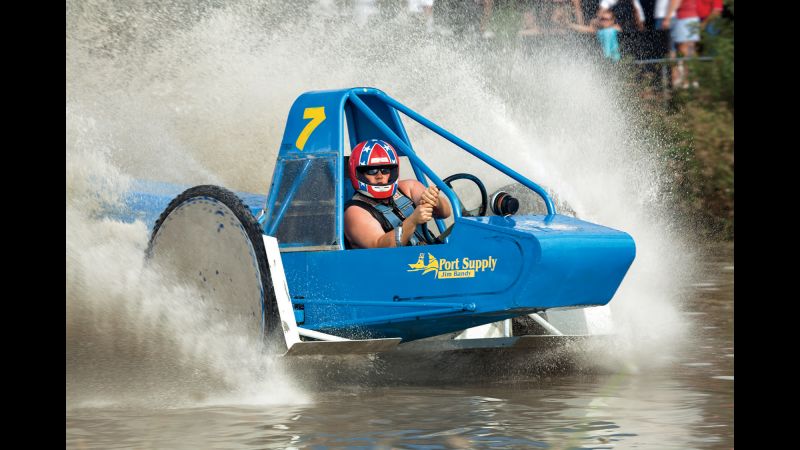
x: 390, y: 213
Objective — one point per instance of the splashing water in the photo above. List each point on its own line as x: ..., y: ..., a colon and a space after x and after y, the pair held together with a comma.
x: 198, y: 93
x: 137, y: 337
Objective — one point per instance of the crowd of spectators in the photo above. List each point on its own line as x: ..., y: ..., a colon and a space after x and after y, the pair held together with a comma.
x: 640, y: 29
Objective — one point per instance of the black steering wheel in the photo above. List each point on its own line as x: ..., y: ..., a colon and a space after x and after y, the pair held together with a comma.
x: 481, y: 210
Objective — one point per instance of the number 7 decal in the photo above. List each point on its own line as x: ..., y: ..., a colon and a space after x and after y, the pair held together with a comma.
x: 317, y: 116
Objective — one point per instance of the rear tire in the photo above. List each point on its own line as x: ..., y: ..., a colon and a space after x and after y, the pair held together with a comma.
x: 209, y: 239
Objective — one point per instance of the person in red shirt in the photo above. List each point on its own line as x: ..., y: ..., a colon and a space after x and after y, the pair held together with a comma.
x: 707, y: 10
x: 685, y: 33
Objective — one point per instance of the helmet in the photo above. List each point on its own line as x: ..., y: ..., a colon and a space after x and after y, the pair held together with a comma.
x: 372, y: 154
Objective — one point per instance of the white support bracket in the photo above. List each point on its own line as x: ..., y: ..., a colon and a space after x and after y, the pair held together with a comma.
x: 540, y: 320
x: 320, y: 336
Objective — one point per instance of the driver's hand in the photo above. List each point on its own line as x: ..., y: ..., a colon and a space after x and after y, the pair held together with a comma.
x: 422, y: 214
x: 430, y: 196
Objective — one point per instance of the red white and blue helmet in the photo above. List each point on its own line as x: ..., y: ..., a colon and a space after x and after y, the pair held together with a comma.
x: 374, y: 154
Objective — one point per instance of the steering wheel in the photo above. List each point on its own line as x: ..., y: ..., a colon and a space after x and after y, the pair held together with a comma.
x: 481, y: 210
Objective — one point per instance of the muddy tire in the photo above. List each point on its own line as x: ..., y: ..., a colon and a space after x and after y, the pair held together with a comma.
x: 208, y: 239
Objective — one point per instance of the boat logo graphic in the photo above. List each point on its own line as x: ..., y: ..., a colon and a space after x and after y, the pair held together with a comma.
x: 452, y: 268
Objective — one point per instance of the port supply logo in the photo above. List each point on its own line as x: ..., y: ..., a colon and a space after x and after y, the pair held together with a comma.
x: 452, y: 268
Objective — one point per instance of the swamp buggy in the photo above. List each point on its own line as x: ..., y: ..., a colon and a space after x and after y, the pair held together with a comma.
x: 280, y: 264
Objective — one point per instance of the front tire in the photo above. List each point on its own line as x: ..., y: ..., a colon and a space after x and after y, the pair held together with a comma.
x: 209, y: 239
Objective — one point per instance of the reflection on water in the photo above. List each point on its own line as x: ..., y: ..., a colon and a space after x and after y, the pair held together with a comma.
x: 687, y: 404
x: 571, y: 411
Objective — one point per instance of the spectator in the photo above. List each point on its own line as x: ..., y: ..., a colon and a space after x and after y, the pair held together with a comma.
x: 488, y: 6
x: 558, y: 16
x: 606, y: 29
x: 561, y: 17
x: 588, y: 10
x: 685, y: 33
x: 648, y: 10
x: 629, y: 13
x: 653, y: 12
x: 422, y: 12
x: 577, y: 11
x: 653, y: 43
x: 530, y: 18
x: 659, y: 13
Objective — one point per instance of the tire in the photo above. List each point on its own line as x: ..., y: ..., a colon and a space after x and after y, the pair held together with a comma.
x: 207, y: 238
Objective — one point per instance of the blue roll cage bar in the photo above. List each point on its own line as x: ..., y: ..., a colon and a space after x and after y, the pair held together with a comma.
x: 403, y: 143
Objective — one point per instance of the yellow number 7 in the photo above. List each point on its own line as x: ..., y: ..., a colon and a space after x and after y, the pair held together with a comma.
x: 317, y: 115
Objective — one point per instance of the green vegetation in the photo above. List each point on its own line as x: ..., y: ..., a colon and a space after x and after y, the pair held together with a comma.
x: 698, y: 126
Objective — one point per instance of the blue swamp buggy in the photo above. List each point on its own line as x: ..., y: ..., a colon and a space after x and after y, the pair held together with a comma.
x: 279, y: 264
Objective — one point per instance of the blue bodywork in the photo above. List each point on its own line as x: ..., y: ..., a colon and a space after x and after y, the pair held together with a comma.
x: 489, y: 268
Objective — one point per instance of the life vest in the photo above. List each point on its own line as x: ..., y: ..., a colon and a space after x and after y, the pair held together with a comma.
x: 390, y: 214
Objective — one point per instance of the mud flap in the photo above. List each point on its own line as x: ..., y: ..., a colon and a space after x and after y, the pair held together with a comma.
x: 288, y: 322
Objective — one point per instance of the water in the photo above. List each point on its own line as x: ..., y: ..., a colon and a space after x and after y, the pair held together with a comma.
x: 198, y: 92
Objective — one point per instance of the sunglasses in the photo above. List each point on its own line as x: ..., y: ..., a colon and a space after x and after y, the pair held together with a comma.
x: 374, y: 171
